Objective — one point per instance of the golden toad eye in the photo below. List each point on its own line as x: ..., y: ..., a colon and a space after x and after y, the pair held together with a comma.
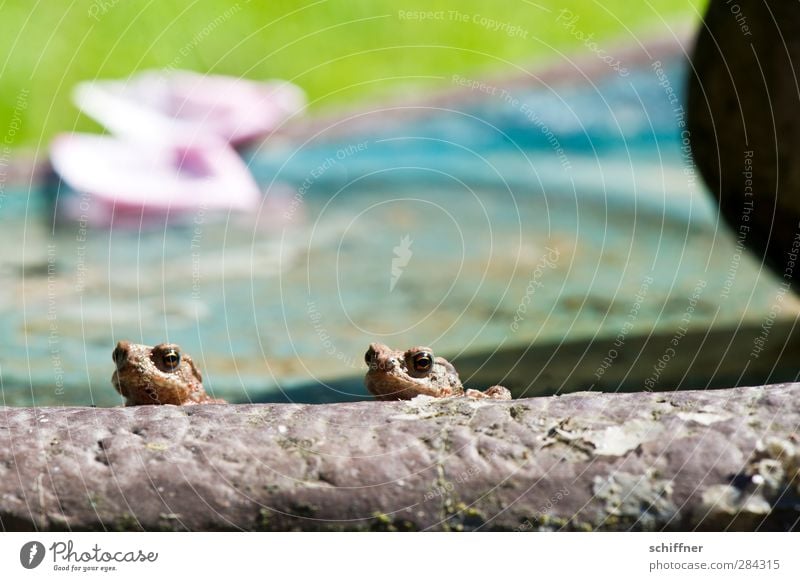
x: 422, y: 362
x: 171, y: 359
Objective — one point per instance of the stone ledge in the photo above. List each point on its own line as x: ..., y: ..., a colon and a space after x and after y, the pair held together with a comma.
x: 711, y: 460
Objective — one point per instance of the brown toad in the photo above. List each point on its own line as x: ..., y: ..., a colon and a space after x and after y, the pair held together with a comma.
x: 157, y: 375
x: 394, y: 375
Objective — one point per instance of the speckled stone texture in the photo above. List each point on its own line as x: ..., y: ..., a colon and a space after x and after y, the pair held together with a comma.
x: 725, y: 459
x: 744, y: 122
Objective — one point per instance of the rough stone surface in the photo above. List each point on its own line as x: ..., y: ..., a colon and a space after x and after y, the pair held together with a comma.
x: 744, y: 122
x: 725, y: 459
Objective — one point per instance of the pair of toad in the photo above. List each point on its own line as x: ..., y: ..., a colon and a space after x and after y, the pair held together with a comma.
x: 163, y: 375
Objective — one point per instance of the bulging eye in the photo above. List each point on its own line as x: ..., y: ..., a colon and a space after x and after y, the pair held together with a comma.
x: 422, y: 362
x: 369, y: 355
x: 171, y: 359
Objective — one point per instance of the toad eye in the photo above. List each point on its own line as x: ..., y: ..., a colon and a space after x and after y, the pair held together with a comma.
x: 171, y: 359
x: 369, y: 355
x: 422, y: 362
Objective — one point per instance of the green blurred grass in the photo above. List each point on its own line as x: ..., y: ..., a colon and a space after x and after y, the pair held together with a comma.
x: 340, y: 51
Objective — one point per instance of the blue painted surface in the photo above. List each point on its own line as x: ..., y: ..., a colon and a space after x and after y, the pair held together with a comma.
x: 289, y: 298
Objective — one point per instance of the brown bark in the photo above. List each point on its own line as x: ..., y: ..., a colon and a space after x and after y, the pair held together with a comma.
x: 686, y: 460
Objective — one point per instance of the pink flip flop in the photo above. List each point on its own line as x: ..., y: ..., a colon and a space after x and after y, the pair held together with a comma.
x: 125, y: 177
x: 182, y: 103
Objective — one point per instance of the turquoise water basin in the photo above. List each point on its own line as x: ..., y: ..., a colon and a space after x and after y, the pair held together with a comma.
x: 567, y: 216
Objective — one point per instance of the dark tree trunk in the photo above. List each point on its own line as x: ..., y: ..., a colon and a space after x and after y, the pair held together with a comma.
x: 744, y: 123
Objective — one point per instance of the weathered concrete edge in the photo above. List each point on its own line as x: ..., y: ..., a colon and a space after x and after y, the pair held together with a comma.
x: 710, y: 460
